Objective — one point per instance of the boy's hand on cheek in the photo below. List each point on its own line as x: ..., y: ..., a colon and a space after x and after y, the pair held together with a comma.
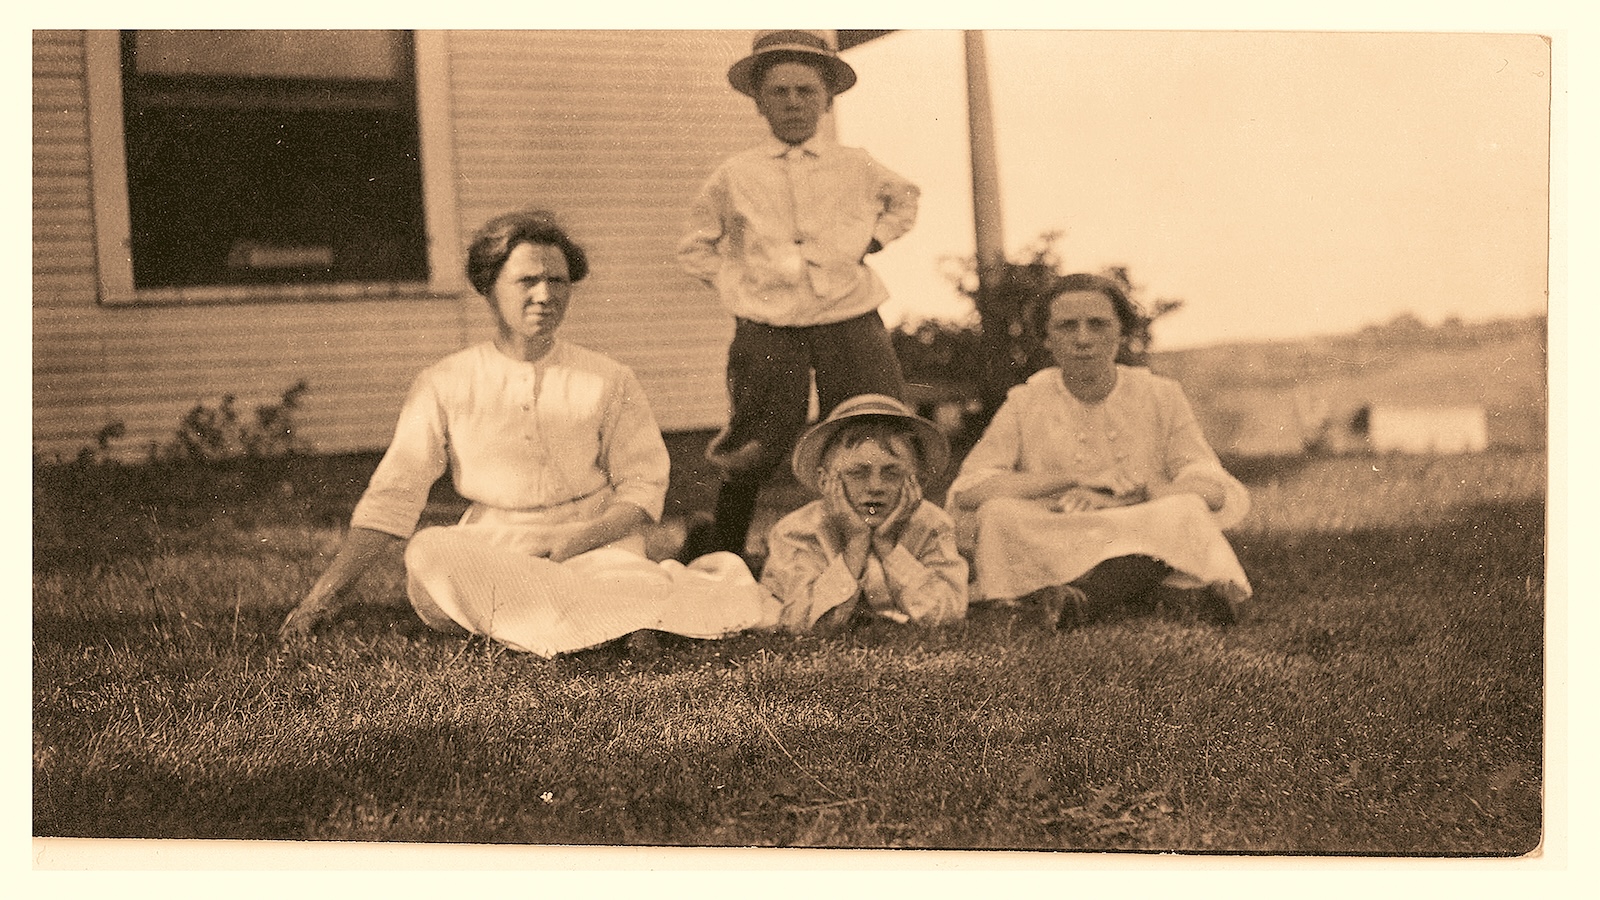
x: 855, y: 538
x: 838, y: 511
x: 885, y: 536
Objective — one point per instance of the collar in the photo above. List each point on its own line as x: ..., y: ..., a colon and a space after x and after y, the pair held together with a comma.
x: 814, y: 147
x: 1053, y: 379
x: 558, y: 350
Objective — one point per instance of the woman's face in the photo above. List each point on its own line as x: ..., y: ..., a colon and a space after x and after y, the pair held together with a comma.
x: 531, y: 295
x: 1083, y: 331
x: 873, y: 476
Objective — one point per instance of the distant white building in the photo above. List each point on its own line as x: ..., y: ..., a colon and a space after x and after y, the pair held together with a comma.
x: 1427, y: 429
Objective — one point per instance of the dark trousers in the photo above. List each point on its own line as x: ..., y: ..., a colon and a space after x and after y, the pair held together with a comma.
x: 770, y: 370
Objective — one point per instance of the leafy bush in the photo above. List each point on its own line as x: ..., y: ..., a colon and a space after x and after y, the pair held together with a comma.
x: 216, y: 469
x: 933, y: 351
x: 1001, y: 351
x: 216, y: 433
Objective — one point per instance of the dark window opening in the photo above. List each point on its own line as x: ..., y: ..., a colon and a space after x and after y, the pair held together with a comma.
x: 272, y: 157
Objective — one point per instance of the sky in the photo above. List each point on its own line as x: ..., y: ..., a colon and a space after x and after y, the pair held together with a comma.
x: 1281, y: 184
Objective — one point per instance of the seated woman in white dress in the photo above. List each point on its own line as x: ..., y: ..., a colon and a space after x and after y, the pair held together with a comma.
x: 557, y: 450
x: 1093, y: 492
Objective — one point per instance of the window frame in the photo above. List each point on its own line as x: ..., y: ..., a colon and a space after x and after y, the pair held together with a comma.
x: 112, y: 220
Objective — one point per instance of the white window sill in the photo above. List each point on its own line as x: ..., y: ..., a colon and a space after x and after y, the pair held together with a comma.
x: 323, y: 292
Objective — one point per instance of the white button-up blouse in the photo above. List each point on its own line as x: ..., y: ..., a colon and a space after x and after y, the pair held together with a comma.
x: 519, y: 436
x: 1144, y: 430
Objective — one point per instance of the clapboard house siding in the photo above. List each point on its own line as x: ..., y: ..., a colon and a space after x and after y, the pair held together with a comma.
x: 614, y: 131
x: 615, y: 135
x: 155, y: 363
x: 63, y: 227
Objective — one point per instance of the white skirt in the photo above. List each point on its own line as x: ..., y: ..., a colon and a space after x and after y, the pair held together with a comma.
x: 489, y: 576
x: 1021, y: 546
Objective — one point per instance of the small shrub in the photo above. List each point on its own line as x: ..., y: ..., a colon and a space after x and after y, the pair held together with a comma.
x: 217, y: 468
x: 102, y: 443
x: 1004, y: 351
x: 210, y: 434
x: 933, y: 351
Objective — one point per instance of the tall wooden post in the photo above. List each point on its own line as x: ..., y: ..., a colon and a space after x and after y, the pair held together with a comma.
x: 987, y: 227
x: 985, y: 172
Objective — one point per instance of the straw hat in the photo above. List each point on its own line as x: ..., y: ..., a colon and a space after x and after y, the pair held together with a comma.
x: 839, y: 76
x: 808, y: 453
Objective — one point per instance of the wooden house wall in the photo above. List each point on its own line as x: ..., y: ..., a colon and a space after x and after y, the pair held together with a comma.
x: 613, y: 131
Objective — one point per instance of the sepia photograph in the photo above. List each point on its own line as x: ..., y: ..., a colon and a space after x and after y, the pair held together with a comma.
x: 1122, y: 444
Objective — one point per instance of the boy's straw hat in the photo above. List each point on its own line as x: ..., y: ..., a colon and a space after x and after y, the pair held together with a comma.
x: 808, y: 453
x: 840, y: 77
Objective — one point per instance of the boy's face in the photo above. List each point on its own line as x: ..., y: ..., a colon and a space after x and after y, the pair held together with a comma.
x: 873, y: 475
x: 792, y: 98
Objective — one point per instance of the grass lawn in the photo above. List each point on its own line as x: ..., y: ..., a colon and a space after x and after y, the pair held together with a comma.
x: 1385, y: 697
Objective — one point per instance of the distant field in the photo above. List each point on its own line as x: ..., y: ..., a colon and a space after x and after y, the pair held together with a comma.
x: 1254, y: 399
x: 1386, y: 696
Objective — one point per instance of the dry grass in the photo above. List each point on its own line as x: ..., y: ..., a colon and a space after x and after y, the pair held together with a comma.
x: 1386, y: 698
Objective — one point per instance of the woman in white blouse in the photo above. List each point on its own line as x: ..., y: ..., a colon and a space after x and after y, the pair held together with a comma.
x: 557, y: 450
x: 1093, y: 491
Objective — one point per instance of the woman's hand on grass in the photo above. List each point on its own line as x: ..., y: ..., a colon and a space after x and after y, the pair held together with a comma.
x: 361, y: 547
x: 312, y: 612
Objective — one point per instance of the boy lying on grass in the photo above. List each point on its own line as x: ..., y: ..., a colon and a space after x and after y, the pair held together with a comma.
x: 870, y: 547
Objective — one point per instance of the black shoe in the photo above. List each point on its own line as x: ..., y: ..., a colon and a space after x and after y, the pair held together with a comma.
x: 1059, y: 606
x: 642, y: 645
x: 1214, y: 609
x: 1202, y: 606
x: 698, y: 539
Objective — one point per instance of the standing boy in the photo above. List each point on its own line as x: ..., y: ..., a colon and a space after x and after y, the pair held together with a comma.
x: 782, y: 231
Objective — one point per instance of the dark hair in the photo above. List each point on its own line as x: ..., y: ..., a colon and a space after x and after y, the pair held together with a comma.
x: 765, y: 62
x: 493, y: 244
x: 1037, y: 313
x: 877, y: 429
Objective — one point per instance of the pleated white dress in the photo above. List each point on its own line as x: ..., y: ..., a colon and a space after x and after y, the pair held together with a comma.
x: 1145, y: 431
x: 541, y: 449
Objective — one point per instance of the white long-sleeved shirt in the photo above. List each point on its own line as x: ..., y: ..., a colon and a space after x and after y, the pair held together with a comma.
x: 925, y: 578
x: 1144, y: 431
x: 781, y: 231
x: 519, y: 436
